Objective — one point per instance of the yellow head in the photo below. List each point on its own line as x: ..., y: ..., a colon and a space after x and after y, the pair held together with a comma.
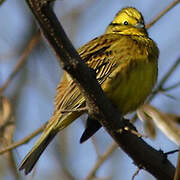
x: 128, y: 21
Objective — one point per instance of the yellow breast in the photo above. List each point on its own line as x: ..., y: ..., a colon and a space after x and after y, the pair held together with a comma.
x: 129, y: 86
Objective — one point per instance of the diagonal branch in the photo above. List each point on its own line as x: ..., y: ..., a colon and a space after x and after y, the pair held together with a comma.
x: 162, y: 13
x: 99, y: 106
x: 23, y: 141
x: 33, y: 42
x: 101, y: 160
x: 165, y: 78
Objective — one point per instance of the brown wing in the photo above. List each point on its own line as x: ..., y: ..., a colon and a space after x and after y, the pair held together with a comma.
x: 97, y: 54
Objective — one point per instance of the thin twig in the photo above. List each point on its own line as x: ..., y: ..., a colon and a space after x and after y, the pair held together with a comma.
x: 95, y: 146
x: 165, y: 78
x: 67, y: 173
x: 136, y: 173
x: 7, y: 55
x: 101, y: 160
x: 61, y: 152
x: 171, y: 152
x: 33, y: 42
x: 171, y: 87
x: 162, y: 13
x: 13, y: 166
x: 24, y: 140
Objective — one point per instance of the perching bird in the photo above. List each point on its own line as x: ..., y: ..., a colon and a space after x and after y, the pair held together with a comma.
x: 125, y: 61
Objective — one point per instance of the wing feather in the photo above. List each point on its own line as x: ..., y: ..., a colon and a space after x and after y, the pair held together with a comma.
x: 98, y: 56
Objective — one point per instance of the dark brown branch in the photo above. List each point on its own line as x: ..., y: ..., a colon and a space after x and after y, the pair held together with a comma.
x: 144, y: 156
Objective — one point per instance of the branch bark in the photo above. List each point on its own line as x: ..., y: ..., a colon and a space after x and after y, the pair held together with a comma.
x: 143, y: 155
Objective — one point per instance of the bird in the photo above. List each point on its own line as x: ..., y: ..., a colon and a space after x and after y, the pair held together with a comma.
x: 125, y: 60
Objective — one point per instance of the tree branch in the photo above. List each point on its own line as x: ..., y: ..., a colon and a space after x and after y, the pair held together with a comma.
x: 101, y: 160
x: 162, y: 13
x: 164, y: 79
x: 24, y: 140
x: 100, y: 107
x: 33, y: 42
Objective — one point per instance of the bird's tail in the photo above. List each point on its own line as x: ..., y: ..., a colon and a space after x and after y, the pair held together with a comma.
x: 33, y: 156
x: 57, y: 122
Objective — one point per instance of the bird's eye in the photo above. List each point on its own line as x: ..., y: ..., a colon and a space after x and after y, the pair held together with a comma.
x: 125, y: 23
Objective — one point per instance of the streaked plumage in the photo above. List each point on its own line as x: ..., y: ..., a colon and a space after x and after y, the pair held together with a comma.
x: 125, y: 60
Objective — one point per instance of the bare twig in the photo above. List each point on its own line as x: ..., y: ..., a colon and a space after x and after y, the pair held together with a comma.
x: 95, y: 146
x: 162, y: 13
x: 136, y: 173
x: 24, y: 140
x: 101, y: 160
x: 164, y: 79
x: 33, y: 42
x: 171, y: 152
x: 176, y: 85
x: 7, y: 55
x: 61, y: 152
x: 67, y: 173
x: 7, y: 132
x: 13, y: 167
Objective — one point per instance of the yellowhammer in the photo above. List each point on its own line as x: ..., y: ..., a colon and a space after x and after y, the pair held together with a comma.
x: 125, y: 61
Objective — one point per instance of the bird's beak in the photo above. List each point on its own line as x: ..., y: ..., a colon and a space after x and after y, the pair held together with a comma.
x: 139, y: 25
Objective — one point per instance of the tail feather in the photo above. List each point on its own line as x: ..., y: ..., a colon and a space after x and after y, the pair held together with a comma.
x: 92, y: 126
x: 56, y: 123
x: 33, y: 156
